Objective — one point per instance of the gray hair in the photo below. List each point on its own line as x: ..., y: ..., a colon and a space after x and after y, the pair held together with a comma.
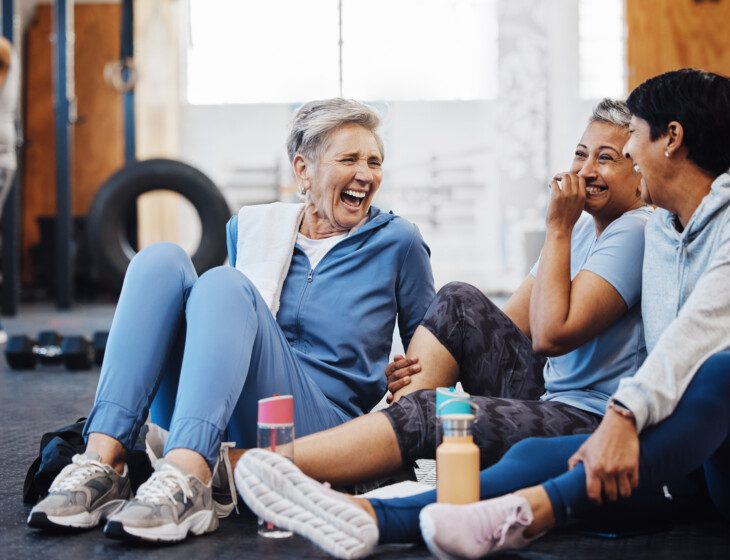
x: 315, y: 121
x: 611, y: 111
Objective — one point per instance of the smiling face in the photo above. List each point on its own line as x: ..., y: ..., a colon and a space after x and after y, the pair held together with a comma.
x: 342, y: 182
x: 649, y: 160
x: 611, y: 182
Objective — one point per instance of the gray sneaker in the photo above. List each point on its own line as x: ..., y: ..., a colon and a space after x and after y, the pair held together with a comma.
x: 224, y: 490
x: 166, y: 508
x: 82, y: 494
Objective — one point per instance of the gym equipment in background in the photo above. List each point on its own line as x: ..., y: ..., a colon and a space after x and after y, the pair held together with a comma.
x: 76, y: 353
x: 109, y: 217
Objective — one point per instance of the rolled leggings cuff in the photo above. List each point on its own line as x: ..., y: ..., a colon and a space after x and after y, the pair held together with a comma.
x: 115, y: 421
x: 567, y: 494
x: 556, y: 500
x: 197, y: 435
x: 397, y: 523
x: 409, y: 417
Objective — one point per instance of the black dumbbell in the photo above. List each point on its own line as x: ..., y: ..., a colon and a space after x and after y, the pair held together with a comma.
x: 19, y: 352
x: 99, y: 341
x: 77, y: 353
x: 48, y: 349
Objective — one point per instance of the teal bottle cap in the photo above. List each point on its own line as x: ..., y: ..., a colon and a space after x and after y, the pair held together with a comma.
x: 449, y: 401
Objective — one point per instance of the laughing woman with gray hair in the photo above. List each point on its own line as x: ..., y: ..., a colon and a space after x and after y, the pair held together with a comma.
x: 308, y: 309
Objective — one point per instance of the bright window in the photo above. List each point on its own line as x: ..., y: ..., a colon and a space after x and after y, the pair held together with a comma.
x: 287, y: 51
x: 602, y: 40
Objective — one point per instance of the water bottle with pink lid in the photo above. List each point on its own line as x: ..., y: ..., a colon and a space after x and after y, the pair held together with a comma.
x: 276, y: 433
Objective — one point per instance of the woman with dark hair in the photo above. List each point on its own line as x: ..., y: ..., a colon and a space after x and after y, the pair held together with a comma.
x: 662, y: 425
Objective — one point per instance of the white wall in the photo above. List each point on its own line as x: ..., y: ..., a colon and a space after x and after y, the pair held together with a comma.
x: 474, y: 218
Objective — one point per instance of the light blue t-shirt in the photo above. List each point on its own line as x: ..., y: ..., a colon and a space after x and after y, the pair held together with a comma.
x: 587, y: 376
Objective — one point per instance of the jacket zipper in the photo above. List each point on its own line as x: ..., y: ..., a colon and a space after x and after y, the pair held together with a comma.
x: 310, y: 276
x: 310, y: 279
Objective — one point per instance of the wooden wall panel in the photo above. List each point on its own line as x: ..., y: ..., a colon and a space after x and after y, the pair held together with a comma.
x: 665, y: 35
x: 97, y: 136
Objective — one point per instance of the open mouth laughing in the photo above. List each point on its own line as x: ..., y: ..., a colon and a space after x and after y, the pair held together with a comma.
x: 594, y: 190
x: 352, y: 198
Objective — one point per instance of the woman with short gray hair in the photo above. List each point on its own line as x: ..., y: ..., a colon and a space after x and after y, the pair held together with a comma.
x: 545, y: 364
x: 307, y: 308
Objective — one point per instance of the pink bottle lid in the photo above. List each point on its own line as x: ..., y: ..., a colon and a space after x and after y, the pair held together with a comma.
x: 276, y: 410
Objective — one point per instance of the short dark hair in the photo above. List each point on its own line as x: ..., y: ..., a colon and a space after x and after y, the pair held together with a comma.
x: 700, y: 102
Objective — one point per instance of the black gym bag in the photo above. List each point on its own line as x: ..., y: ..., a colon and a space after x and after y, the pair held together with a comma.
x: 56, y: 450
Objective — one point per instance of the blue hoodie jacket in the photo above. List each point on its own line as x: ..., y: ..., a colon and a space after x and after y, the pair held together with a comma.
x: 339, y: 317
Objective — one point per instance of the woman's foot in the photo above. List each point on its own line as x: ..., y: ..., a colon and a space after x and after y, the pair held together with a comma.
x: 83, y: 493
x: 277, y: 491
x: 167, y: 507
x: 476, y: 530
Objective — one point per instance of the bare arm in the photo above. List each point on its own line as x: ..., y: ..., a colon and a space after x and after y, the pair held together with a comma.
x: 517, y: 307
x: 564, y: 314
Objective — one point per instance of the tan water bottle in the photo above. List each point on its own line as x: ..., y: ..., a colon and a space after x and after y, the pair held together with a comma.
x: 457, y: 458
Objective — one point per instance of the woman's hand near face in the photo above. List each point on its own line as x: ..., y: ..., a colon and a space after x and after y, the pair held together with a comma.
x: 567, y: 200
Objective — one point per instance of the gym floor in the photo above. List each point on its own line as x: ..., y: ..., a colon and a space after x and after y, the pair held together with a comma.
x: 34, y: 402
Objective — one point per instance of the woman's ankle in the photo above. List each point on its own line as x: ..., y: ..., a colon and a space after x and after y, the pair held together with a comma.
x: 543, y: 517
x: 191, y: 462
x: 110, y: 451
x: 365, y: 505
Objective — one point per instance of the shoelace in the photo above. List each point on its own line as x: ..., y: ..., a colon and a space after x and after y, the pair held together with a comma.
x: 74, y: 474
x: 162, y: 485
x: 500, y: 532
x: 225, y: 446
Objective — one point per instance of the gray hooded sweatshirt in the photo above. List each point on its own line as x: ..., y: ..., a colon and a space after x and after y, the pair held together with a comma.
x: 685, y: 304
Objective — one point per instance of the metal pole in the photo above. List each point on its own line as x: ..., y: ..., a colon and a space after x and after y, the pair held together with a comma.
x: 63, y: 78
x: 130, y: 149
x: 11, y: 211
x: 127, y: 53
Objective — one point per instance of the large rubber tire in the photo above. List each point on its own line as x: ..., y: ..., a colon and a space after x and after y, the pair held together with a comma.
x: 110, y: 211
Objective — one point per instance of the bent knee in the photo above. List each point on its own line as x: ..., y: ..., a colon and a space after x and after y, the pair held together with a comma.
x: 713, y: 376
x: 225, y: 279
x: 461, y: 292
x: 162, y: 256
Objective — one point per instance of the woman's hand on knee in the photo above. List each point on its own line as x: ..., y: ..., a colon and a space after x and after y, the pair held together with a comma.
x: 399, y: 372
x: 611, y: 459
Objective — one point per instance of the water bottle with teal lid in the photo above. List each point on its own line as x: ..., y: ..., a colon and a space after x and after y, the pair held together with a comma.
x: 457, y: 457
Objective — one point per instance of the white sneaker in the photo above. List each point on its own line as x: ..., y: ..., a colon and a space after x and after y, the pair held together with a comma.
x: 277, y: 491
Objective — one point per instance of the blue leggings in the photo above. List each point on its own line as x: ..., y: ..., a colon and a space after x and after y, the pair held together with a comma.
x: 200, y: 352
x: 694, y: 436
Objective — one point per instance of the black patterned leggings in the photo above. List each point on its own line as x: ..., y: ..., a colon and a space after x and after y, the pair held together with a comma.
x: 499, y: 368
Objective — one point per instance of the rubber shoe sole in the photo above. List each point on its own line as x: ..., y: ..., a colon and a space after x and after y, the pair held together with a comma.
x: 198, y: 523
x: 80, y: 521
x: 280, y: 493
x: 428, y: 532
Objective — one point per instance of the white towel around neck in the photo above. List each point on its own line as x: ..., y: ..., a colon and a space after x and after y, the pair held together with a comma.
x: 265, y: 245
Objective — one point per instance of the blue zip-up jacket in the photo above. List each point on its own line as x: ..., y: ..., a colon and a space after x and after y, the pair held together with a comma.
x: 339, y: 317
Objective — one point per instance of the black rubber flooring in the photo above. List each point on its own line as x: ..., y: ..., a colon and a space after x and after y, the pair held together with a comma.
x: 32, y: 403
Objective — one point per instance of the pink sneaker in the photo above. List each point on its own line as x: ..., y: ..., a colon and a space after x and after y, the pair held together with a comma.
x: 476, y: 530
